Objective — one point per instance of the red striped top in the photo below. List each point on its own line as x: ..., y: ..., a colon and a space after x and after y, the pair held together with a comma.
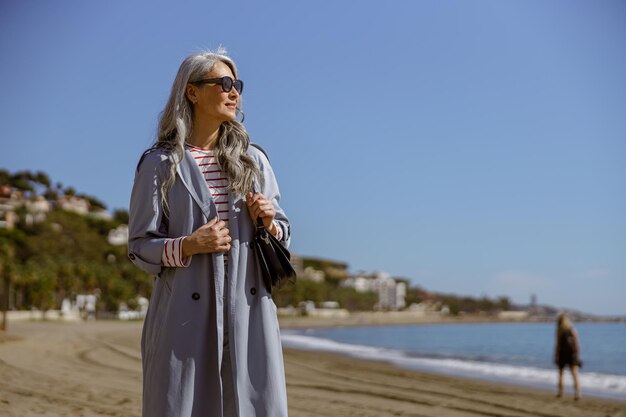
x: 218, y: 187
x: 215, y: 180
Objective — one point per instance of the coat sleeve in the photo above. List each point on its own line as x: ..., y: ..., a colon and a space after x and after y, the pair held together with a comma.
x: 272, y: 193
x: 147, y: 225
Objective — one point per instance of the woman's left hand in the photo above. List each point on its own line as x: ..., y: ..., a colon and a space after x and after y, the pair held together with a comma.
x: 259, y: 206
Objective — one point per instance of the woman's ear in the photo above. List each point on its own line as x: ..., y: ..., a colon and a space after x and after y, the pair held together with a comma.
x: 192, y: 93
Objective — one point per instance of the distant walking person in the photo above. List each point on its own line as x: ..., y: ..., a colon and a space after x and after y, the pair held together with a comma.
x: 567, y: 353
x: 211, y: 343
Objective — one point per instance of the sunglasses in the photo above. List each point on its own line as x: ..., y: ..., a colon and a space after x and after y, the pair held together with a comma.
x: 227, y: 83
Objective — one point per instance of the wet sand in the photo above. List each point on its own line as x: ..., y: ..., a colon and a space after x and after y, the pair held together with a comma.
x: 94, y: 369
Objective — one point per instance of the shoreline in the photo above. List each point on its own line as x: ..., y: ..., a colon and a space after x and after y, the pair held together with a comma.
x: 596, y: 385
x: 94, y: 369
x: 442, y: 395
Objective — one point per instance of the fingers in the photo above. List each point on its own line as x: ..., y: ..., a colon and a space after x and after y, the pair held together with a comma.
x: 223, y: 247
x: 214, y: 236
x: 259, y: 206
x: 253, y: 198
x: 265, y: 210
x: 220, y: 226
x: 214, y: 223
x: 220, y: 232
x: 218, y: 240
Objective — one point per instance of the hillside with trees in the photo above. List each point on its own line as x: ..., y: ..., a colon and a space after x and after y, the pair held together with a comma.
x: 46, y: 258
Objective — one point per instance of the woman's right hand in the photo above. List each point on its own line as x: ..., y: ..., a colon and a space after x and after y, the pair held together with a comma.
x: 210, y: 238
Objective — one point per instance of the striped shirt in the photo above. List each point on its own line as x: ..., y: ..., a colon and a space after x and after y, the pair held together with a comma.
x: 173, y: 253
x: 218, y: 187
x: 215, y: 179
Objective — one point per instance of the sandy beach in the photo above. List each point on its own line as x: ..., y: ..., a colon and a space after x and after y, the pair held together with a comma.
x: 94, y: 369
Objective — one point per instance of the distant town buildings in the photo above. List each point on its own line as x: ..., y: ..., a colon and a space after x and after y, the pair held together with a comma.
x: 513, y: 315
x: 8, y: 202
x: 74, y: 204
x: 391, y: 294
x: 37, y: 207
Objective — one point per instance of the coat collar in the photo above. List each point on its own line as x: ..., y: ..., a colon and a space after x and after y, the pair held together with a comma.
x: 195, y: 183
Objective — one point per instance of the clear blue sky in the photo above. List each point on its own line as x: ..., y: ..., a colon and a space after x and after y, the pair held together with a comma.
x: 475, y: 147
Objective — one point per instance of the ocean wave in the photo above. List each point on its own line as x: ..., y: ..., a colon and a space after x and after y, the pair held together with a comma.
x: 611, y: 386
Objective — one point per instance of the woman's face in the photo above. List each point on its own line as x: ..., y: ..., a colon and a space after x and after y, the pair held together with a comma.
x: 210, y: 100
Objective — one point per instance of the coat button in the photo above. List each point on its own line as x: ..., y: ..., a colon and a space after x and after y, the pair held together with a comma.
x: 132, y: 256
x: 195, y: 296
x: 252, y: 290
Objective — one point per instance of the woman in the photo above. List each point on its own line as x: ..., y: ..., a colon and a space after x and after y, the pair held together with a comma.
x: 210, y: 343
x: 567, y: 353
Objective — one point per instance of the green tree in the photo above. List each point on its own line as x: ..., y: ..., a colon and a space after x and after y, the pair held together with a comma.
x: 5, y: 177
x: 11, y: 249
x: 41, y: 276
x: 94, y: 203
x: 22, y: 181
x: 42, y: 178
x: 352, y: 300
x: 121, y: 216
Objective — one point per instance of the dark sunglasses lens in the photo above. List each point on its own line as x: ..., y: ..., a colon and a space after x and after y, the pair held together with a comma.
x: 227, y: 84
x: 238, y: 86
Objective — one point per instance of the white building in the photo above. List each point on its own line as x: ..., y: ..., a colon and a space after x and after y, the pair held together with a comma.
x: 101, y: 214
x: 119, y: 235
x: 37, y: 209
x: 38, y: 205
x: 391, y: 294
x: 8, y: 218
x: 74, y: 204
x: 313, y: 274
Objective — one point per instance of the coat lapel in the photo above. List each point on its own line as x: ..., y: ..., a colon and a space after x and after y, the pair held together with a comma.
x: 195, y: 183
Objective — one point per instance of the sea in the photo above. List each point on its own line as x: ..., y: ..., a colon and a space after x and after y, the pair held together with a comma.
x: 518, y: 353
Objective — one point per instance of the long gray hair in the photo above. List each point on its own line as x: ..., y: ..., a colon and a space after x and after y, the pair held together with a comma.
x: 176, y: 125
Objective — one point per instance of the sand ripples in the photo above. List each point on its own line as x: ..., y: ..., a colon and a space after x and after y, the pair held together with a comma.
x: 94, y: 369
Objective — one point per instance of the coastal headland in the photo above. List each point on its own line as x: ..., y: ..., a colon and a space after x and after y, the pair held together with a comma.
x: 94, y: 369
x: 389, y: 318
x: 376, y: 318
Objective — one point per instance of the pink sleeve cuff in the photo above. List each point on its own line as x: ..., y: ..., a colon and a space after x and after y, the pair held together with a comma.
x: 173, y: 253
x: 279, y: 231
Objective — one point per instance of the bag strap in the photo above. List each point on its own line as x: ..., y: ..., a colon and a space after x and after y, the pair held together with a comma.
x: 256, y: 145
x: 259, y: 221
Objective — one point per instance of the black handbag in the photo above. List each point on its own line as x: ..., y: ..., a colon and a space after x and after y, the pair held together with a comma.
x: 273, y: 259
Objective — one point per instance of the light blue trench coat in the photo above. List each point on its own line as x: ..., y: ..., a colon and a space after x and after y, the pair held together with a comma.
x: 182, y: 336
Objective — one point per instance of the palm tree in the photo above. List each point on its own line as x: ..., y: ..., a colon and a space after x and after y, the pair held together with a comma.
x: 9, y: 240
